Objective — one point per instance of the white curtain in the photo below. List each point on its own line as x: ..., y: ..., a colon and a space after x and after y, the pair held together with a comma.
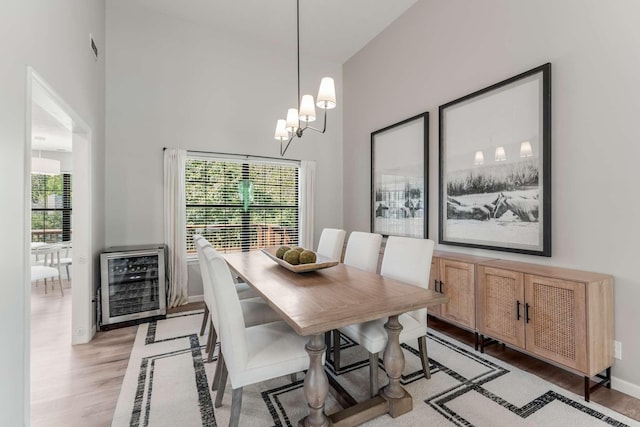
x: 307, y: 202
x: 174, y: 225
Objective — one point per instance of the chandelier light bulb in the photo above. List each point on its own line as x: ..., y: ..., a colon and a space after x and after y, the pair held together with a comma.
x: 479, y: 159
x: 326, y: 94
x: 307, y: 109
x: 525, y: 149
x: 292, y: 120
x: 281, y: 130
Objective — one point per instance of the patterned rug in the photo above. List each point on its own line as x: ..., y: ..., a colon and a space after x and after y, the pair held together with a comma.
x: 168, y: 383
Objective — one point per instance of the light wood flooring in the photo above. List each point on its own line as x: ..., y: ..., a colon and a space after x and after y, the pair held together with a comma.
x: 79, y: 385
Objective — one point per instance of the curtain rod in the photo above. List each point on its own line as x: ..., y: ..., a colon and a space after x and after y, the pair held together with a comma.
x: 248, y: 156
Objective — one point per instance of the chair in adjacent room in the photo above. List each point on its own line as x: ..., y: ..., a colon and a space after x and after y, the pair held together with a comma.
x: 407, y: 260
x: 49, y: 267
x: 66, y: 259
x: 331, y: 243
x: 363, y: 252
x: 249, y: 354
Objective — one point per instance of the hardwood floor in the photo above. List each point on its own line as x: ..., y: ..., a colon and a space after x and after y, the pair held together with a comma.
x: 79, y: 385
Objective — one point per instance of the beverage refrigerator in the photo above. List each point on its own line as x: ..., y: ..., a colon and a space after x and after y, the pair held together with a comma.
x: 133, y: 282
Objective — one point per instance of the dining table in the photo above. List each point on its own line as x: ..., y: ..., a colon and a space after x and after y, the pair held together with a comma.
x: 315, y: 302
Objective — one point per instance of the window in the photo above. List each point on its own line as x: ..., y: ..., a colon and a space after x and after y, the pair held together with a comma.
x: 51, y: 208
x: 240, y: 204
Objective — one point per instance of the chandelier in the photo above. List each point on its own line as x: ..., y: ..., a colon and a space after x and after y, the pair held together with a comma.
x: 292, y: 127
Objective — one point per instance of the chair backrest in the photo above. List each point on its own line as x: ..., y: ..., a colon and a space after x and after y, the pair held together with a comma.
x: 201, y: 243
x: 409, y: 260
x: 331, y: 243
x: 231, y: 328
x: 363, y: 250
x: 50, y: 253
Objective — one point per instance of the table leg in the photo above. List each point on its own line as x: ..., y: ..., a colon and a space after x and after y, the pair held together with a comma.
x: 316, y: 384
x: 400, y: 401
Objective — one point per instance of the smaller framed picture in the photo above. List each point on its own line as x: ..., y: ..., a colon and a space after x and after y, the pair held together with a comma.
x: 399, y: 159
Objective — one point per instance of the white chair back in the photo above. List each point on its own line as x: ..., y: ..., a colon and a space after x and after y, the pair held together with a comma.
x: 331, y: 243
x: 201, y: 243
x: 363, y: 250
x: 231, y: 328
x: 409, y: 260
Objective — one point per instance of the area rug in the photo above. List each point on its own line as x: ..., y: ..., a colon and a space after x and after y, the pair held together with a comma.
x: 168, y: 383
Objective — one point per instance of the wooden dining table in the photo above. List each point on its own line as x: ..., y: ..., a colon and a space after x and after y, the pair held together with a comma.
x: 315, y: 302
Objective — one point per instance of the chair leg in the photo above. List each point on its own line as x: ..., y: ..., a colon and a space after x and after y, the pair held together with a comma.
x: 336, y: 349
x: 424, y: 356
x: 373, y: 374
x: 213, y: 338
x: 327, y: 341
x: 221, y: 384
x: 68, y: 275
x: 45, y: 286
x: 216, y: 376
x: 236, y: 404
x: 60, y: 283
x: 204, y: 320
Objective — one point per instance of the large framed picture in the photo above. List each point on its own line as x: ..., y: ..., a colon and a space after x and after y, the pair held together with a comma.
x: 399, y: 159
x: 495, y: 166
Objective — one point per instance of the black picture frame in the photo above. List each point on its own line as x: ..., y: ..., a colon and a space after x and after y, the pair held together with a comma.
x: 495, y: 166
x: 399, y: 178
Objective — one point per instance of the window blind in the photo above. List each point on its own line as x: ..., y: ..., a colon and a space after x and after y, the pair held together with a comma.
x: 241, y: 204
x: 51, y: 208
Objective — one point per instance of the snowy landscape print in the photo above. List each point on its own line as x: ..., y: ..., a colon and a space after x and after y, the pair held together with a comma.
x: 495, y: 204
x: 493, y: 144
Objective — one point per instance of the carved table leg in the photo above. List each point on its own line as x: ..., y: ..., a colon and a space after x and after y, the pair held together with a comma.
x: 400, y: 401
x: 316, y: 384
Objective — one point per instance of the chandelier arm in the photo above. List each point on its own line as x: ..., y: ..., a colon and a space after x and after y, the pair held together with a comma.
x: 324, y: 126
x: 287, y: 146
x: 298, y: 52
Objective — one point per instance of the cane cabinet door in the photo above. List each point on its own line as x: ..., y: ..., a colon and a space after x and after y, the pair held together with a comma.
x: 501, y: 305
x: 457, y: 281
x: 555, y: 318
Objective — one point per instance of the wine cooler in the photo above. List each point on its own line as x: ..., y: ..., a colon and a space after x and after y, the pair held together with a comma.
x: 133, y: 283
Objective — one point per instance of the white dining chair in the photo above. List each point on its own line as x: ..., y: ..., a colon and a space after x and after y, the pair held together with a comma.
x: 66, y: 259
x: 363, y: 252
x: 49, y: 267
x: 255, y: 310
x: 331, y: 243
x: 407, y: 260
x: 249, y: 354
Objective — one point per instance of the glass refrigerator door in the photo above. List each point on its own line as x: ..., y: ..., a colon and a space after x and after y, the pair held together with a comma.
x: 133, y: 285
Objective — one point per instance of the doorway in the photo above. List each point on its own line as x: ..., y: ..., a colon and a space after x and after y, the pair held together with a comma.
x: 44, y: 104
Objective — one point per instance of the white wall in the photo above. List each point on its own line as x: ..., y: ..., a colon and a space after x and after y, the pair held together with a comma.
x: 441, y: 50
x: 172, y: 83
x: 51, y: 36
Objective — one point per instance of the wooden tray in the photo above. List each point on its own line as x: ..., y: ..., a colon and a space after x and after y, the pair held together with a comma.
x: 321, y: 262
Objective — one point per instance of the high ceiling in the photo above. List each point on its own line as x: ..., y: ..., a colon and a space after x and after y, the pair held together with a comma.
x: 333, y: 30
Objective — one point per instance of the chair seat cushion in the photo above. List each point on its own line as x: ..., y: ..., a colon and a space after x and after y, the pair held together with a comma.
x: 256, y: 311
x: 373, y: 337
x: 39, y: 272
x: 273, y: 350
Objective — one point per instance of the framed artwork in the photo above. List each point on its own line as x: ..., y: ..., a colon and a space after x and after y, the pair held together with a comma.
x: 399, y: 159
x: 495, y: 166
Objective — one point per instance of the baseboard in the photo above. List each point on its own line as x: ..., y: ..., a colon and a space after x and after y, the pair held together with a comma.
x: 195, y: 298
x: 625, y: 387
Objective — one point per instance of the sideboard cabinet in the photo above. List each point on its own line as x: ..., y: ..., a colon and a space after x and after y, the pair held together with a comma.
x: 455, y: 276
x: 560, y: 315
